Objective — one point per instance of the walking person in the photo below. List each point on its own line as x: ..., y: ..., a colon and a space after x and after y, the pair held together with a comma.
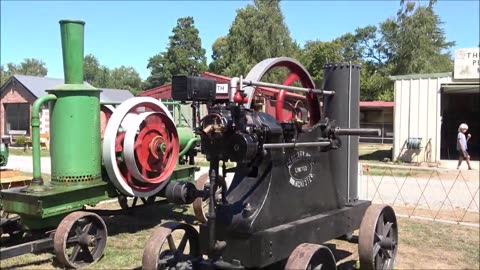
x: 462, y: 145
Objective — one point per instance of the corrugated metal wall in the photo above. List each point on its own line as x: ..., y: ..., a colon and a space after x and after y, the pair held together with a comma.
x: 417, y: 115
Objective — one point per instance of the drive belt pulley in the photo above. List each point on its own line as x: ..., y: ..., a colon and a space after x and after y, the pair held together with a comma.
x: 140, y: 147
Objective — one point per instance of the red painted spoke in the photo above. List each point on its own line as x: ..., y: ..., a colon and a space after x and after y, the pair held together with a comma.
x: 292, y: 77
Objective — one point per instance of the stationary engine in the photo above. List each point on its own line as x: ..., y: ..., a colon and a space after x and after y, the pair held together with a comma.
x: 295, y: 176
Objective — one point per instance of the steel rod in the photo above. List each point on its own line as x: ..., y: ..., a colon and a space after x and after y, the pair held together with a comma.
x: 291, y: 88
x: 25, y: 248
x: 357, y: 131
x: 294, y: 145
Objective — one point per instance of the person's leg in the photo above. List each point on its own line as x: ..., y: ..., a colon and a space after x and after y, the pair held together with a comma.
x: 467, y: 159
x: 460, y: 159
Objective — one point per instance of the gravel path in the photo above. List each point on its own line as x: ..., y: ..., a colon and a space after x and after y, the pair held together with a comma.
x: 388, y: 188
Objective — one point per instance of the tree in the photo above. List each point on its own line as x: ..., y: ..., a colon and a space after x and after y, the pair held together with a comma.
x: 258, y: 32
x: 91, y: 69
x: 126, y: 78
x: 419, y: 41
x: 412, y: 42
x: 318, y: 53
x: 101, y: 76
x: 29, y: 66
x: 219, y: 53
x: 184, y: 55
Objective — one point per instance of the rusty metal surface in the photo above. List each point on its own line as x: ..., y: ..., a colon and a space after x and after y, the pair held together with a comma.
x: 155, y: 258
x: 311, y: 256
x: 378, y: 226
x: 71, y: 232
x: 199, y: 204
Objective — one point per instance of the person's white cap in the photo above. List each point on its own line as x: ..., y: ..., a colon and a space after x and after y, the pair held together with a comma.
x: 462, y: 126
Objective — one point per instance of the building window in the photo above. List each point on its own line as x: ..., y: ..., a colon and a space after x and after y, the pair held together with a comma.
x: 17, y: 118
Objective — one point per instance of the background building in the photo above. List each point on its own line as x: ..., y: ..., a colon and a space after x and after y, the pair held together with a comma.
x: 17, y: 97
x: 430, y: 107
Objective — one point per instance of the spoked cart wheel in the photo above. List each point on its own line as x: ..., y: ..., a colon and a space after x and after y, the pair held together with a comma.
x: 200, y: 205
x: 127, y: 204
x: 311, y: 257
x: 378, y: 238
x: 161, y: 252
x: 80, y: 239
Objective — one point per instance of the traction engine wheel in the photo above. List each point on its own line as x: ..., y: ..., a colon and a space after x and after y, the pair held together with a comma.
x: 311, y: 257
x: 378, y: 238
x: 161, y: 252
x: 80, y: 239
x: 296, y: 73
x: 141, y: 147
x: 127, y: 204
x: 200, y: 205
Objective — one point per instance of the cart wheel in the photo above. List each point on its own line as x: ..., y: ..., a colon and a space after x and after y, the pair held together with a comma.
x: 80, y: 239
x: 378, y: 238
x: 161, y: 252
x: 127, y: 204
x: 200, y: 205
x: 311, y: 256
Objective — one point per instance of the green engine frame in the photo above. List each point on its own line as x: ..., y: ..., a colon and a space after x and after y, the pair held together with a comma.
x: 3, y: 154
x: 77, y: 177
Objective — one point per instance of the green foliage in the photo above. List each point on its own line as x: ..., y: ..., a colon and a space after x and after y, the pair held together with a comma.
x: 125, y: 78
x: 258, y: 32
x: 21, y: 140
x: 29, y: 66
x: 412, y: 42
x: 119, y: 78
x: 318, y: 53
x: 184, y: 55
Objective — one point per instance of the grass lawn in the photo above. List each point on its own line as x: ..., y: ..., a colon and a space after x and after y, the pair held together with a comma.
x: 27, y: 152
x: 423, y: 244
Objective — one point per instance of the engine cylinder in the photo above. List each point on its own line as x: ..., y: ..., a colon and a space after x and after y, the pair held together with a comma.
x: 74, y: 116
x: 344, y: 163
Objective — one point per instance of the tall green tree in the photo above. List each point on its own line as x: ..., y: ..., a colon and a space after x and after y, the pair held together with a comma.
x: 258, y: 32
x: 126, y: 78
x: 91, y: 69
x: 29, y: 66
x: 184, y: 55
x: 318, y: 53
x: 417, y: 40
x: 101, y: 76
x: 410, y: 43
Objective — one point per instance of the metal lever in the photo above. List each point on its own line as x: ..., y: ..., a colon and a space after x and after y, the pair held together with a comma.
x: 356, y: 131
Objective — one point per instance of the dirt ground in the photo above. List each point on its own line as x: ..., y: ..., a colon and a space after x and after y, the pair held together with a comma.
x: 423, y: 244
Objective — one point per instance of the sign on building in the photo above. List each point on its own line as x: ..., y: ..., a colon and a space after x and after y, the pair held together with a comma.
x: 222, y: 88
x: 467, y: 63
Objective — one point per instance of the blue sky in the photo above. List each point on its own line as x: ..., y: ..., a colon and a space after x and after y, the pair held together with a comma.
x: 128, y: 33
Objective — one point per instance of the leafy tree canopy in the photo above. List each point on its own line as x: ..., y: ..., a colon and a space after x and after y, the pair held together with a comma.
x: 184, y: 55
x: 29, y: 66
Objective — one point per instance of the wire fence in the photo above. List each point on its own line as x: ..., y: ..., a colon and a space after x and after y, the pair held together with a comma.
x: 427, y: 193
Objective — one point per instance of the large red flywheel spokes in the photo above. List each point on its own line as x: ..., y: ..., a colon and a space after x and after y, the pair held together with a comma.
x: 141, y: 147
x: 151, y: 155
x: 296, y: 73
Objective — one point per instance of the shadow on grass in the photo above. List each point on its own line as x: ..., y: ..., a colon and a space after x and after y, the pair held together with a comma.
x: 379, y: 155
x: 144, y: 217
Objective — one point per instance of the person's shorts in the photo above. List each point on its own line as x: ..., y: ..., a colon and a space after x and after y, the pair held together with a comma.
x: 463, y: 154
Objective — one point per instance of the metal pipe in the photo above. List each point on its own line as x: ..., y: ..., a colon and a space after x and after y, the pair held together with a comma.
x: 37, y: 174
x: 72, y: 32
x: 356, y: 131
x: 233, y: 88
x: 294, y: 145
x: 291, y: 88
x: 187, y: 147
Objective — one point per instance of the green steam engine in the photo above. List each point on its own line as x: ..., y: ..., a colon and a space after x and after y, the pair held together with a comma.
x: 98, y: 151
